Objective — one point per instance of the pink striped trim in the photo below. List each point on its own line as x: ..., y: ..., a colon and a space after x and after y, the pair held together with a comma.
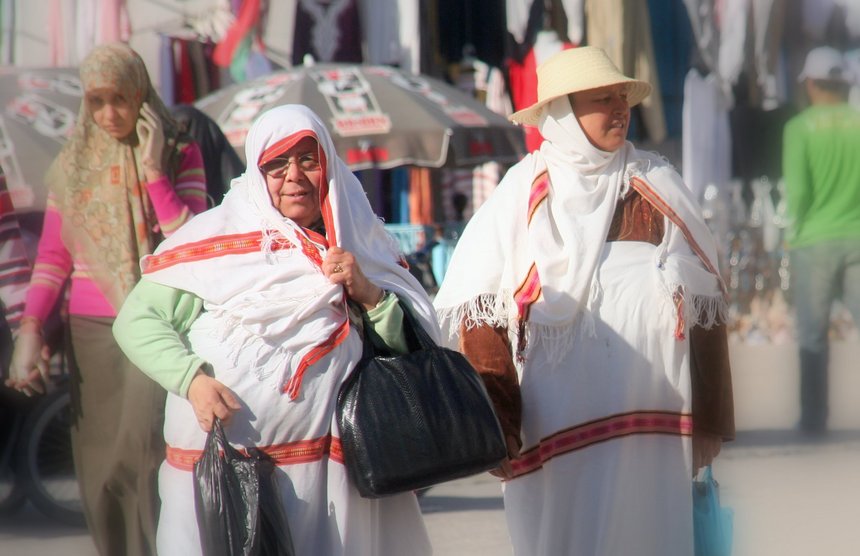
x: 601, y: 430
x: 538, y: 193
x: 652, y: 197
x: 528, y: 292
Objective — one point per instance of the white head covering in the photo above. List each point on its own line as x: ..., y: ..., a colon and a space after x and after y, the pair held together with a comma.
x: 262, y: 270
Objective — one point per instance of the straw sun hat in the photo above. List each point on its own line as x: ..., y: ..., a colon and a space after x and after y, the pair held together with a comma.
x: 574, y: 70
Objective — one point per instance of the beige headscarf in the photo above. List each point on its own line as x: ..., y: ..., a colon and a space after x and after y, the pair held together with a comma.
x: 98, y: 183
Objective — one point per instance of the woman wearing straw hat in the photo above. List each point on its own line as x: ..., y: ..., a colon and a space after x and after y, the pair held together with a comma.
x: 586, y: 292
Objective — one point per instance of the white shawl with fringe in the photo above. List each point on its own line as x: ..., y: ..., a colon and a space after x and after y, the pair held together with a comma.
x: 555, y: 238
x: 260, y: 272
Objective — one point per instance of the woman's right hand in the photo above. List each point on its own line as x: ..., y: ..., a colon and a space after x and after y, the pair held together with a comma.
x: 28, y: 369
x: 211, y: 399
x: 150, y: 132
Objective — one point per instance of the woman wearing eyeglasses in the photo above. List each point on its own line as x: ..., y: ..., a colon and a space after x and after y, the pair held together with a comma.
x: 243, y: 315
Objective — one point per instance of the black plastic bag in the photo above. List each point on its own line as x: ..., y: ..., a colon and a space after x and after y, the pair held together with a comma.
x: 238, y: 503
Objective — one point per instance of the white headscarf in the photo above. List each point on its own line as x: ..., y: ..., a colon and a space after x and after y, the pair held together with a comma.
x: 262, y: 270
x: 565, y: 236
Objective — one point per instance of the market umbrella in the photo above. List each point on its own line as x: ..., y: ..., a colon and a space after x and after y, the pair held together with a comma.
x: 38, y: 109
x: 378, y: 116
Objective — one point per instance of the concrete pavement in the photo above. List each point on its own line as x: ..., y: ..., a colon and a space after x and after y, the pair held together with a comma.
x: 791, y: 496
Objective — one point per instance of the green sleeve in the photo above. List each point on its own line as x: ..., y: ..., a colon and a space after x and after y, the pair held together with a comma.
x: 795, y: 170
x: 150, y: 328
x: 387, y: 321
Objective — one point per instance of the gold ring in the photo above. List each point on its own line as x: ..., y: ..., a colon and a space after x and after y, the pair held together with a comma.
x: 337, y: 268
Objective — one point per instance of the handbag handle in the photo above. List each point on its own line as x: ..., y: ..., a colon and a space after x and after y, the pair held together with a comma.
x: 416, y: 337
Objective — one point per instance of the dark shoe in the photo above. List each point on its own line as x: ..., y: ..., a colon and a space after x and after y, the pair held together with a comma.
x: 814, y: 391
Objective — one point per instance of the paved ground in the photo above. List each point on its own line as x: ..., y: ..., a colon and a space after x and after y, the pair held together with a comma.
x: 791, y: 496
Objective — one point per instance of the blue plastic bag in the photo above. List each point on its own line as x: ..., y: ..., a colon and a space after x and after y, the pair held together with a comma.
x: 712, y: 524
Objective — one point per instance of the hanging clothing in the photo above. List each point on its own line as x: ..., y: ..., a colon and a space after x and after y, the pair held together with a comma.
x: 14, y: 262
x: 734, y: 23
x: 278, y: 31
x: 392, y: 33
x: 421, y: 198
x: 476, y: 23
x: 330, y: 30
x: 623, y: 29
x: 574, y: 11
x: 707, y: 141
x: 704, y: 23
x: 523, y: 78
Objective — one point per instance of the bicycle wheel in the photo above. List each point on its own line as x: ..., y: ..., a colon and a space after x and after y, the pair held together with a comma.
x: 46, y: 464
x: 12, y: 491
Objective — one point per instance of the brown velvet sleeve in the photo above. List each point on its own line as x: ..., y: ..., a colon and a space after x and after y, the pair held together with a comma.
x: 635, y: 219
x: 489, y: 351
x: 710, y: 370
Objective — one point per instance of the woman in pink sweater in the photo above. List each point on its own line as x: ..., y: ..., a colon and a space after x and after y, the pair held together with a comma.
x: 124, y: 180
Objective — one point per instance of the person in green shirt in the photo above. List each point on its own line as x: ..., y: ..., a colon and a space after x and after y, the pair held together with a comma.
x: 821, y: 168
x: 251, y: 313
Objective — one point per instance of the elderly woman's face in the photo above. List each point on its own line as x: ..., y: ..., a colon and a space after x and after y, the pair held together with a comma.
x: 604, y: 115
x: 293, y: 180
x: 112, y: 111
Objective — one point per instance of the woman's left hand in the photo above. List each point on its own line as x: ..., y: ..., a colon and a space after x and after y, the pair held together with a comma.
x: 705, y: 448
x: 341, y: 268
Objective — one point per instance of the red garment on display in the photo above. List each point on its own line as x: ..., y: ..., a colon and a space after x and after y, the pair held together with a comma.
x: 523, y: 83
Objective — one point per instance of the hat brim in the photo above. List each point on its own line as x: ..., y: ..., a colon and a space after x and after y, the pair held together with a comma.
x: 639, y: 90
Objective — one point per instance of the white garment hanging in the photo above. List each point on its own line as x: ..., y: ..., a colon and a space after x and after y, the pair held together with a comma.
x: 546, y: 44
x: 392, y: 33
x: 517, y: 14
x: 279, y: 31
x: 706, y: 148
x: 732, y: 39
x: 574, y: 10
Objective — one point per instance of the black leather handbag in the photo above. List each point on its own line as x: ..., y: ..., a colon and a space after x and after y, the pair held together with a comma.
x: 412, y: 421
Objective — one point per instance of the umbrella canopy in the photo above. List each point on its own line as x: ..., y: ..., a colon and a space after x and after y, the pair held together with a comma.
x: 379, y: 117
x: 38, y: 109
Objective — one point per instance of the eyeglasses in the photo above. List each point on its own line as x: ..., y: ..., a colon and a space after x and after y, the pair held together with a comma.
x: 278, y: 167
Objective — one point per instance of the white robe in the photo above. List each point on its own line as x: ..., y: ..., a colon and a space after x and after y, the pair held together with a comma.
x: 625, y: 490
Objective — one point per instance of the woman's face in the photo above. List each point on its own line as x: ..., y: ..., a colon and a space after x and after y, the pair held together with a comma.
x: 112, y: 111
x: 604, y: 115
x: 293, y: 180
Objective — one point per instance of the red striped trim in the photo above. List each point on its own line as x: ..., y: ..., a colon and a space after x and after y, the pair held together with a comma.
x: 314, y: 355
x: 648, y: 193
x: 218, y: 246
x: 538, y: 193
x: 311, y: 251
x: 528, y: 292
x: 280, y: 147
x: 601, y: 430
x: 316, y: 238
x: 290, y: 453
